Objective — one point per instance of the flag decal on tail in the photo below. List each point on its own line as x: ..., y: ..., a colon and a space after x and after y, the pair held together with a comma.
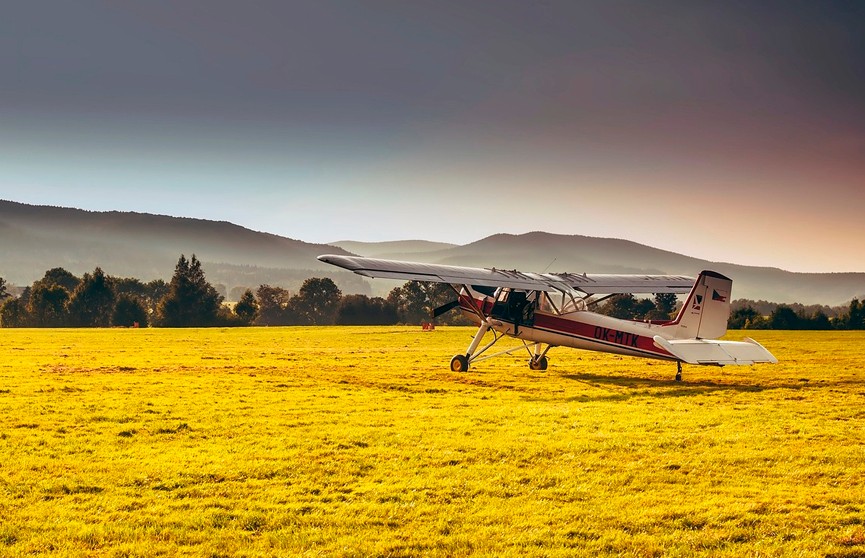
x: 698, y: 300
x: 717, y: 296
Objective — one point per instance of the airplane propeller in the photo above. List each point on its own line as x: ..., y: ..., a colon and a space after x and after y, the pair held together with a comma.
x: 489, y: 291
x: 445, y: 308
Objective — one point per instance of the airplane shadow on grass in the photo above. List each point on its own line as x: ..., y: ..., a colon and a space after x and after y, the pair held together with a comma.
x: 621, y: 388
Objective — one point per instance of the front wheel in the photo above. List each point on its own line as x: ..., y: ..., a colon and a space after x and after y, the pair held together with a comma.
x: 540, y: 364
x: 459, y: 363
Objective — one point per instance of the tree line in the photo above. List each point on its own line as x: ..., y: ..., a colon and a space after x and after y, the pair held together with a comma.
x: 745, y: 314
x: 749, y: 314
x: 60, y: 299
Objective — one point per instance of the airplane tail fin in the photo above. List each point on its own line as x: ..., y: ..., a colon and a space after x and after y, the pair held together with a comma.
x: 707, y: 308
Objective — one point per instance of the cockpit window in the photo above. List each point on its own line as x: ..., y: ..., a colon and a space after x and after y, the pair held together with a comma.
x: 561, y: 303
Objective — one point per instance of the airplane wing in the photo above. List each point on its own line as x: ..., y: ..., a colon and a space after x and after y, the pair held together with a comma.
x: 712, y: 351
x: 459, y: 275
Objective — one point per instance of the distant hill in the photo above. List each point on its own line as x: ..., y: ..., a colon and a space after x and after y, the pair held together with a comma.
x: 393, y: 249
x: 36, y: 238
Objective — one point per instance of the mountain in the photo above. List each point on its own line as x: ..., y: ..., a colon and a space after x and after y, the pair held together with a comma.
x: 36, y: 238
x: 392, y: 249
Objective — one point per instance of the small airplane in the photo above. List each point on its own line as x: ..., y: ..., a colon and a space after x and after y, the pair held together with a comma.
x: 547, y: 310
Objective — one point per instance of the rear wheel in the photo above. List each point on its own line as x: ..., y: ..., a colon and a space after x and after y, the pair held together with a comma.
x: 459, y: 363
x: 540, y: 364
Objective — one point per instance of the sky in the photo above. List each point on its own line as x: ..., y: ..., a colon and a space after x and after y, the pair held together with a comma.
x: 729, y: 131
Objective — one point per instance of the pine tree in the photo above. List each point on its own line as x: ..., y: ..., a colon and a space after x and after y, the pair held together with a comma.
x: 856, y: 316
x: 665, y: 304
x: 4, y: 294
x: 191, y: 301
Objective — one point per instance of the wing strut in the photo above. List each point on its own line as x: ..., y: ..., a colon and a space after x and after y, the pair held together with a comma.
x: 460, y: 363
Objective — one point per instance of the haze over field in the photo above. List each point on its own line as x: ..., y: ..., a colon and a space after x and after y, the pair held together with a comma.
x: 724, y: 131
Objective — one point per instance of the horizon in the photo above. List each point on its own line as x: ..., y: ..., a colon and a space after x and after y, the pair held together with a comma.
x: 729, y: 133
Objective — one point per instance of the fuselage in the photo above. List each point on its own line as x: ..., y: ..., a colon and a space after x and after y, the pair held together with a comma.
x: 580, y: 329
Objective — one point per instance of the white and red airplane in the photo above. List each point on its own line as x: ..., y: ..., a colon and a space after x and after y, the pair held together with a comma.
x: 547, y: 310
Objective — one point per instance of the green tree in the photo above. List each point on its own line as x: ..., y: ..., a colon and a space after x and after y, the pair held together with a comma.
x: 664, y: 306
x: 643, y: 308
x: 59, y: 276
x: 154, y: 292
x: 855, y: 318
x: 4, y: 294
x: 439, y: 294
x: 128, y: 311
x: 742, y: 318
x: 129, y: 286
x: 416, y: 300
x: 620, y: 306
x: 784, y: 317
x: 236, y: 292
x: 47, y: 304
x: 316, y: 301
x: 626, y: 306
x: 246, y: 308
x: 362, y: 310
x: 191, y: 301
x: 410, y: 301
x: 92, y: 302
x: 819, y: 320
x: 272, y: 305
x: 13, y: 313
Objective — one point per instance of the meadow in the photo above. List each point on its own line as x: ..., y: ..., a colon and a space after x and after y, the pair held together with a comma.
x: 359, y: 441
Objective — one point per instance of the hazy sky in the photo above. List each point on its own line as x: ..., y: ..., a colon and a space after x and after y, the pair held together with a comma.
x: 731, y: 131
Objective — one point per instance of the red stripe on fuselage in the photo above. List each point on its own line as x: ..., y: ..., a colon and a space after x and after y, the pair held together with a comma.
x: 602, y: 334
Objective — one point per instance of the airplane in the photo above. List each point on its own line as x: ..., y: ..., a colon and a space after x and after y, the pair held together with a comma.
x: 546, y: 310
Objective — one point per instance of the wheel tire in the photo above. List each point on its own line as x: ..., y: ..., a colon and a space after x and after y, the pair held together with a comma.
x: 541, y: 364
x: 459, y: 363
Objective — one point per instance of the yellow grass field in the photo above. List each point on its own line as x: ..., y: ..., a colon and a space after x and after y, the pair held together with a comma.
x: 360, y: 442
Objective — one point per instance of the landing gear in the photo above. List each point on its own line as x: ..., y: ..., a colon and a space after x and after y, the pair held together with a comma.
x: 459, y: 363
x: 462, y: 363
x: 678, y: 370
x: 538, y: 363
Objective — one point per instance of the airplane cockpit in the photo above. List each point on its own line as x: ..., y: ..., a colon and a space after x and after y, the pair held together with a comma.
x: 514, y: 305
x: 519, y: 306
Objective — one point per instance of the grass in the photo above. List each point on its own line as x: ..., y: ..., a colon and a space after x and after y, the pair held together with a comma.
x: 361, y: 442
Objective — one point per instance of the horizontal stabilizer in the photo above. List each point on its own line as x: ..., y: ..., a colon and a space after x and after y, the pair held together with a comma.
x: 713, y: 351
